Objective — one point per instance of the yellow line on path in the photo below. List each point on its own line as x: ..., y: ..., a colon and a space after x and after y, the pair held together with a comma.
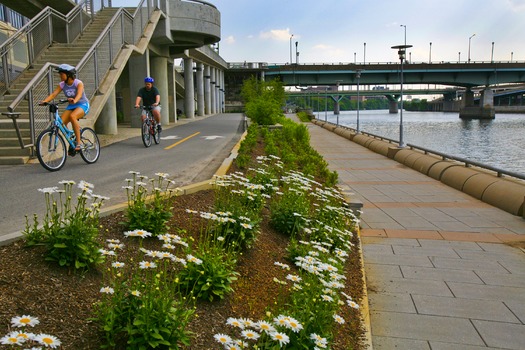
x: 181, y: 141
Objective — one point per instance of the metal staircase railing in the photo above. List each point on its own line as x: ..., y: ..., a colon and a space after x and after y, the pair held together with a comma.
x: 123, y: 28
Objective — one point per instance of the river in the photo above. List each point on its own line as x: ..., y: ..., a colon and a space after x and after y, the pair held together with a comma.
x: 499, y: 142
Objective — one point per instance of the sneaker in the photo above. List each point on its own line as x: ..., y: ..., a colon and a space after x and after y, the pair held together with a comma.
x: 71, y: 151
x: 159, y: 127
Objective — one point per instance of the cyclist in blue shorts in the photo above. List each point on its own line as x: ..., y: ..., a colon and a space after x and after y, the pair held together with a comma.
x: 73, y: 89
x: 150, y: 96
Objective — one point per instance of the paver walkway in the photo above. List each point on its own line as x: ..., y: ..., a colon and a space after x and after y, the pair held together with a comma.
x: 438, y: 275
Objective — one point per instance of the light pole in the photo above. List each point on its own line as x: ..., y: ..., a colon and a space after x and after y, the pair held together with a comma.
x: 291, y: 36
x: 401, y: 51
x: 296, y: 53
x: 355, y: 57
x: 459, y: 57
x: 357, y: 75
x: 430, y: 53
x: 492, y: 53
x: 325, y: 103
x: 404, y: 25
x: 469, y: 39
x: 511, y: 56
x: 364, y: 53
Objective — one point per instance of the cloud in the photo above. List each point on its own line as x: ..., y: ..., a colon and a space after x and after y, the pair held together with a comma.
x: 230, y: 40
x: 276, y: 34
x: 517, y: 5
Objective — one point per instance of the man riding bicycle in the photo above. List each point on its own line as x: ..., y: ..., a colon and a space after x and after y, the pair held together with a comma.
x: 150, y: 96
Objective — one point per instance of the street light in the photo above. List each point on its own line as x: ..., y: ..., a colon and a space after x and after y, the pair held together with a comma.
x: 511, y: 56
x: 459, y: 57
x: 469, y: 46
x: 325, y: 103
x: 492, y: 53
x: 364, y: 53
x: 296, y: 53
x: 357, y: 75
x: 430, y: 53
x: 404, y: 25
x: 401, y: 51
x: 291, y: 36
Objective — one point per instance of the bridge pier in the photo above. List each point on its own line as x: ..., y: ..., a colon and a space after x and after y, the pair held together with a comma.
x: 337, y: 107
x: 393, y: 107
x: 485, y: 110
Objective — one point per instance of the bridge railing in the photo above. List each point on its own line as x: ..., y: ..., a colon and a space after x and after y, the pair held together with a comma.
x: 467, y: 162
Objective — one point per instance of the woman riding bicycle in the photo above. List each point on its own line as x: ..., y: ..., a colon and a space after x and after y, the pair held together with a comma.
x: 74, y: 91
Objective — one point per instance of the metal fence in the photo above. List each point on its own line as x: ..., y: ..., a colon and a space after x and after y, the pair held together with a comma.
x: 124, y: 28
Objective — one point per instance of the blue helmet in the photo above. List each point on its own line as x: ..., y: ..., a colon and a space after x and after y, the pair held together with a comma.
x: 148, y: 80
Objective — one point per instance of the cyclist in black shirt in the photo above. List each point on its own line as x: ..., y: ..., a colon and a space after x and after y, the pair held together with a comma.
x: 150, y: 96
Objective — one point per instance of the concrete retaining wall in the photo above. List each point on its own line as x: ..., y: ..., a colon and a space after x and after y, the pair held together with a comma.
x: 505, y: 193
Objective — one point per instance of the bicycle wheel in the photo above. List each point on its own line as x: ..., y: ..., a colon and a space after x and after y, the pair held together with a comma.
x: 146, y: 137
x: 90, y: 148
x: 155, y: 132
x: 51, y: 150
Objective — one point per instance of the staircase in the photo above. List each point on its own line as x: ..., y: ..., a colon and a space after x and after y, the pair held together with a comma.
x: 10, y: 150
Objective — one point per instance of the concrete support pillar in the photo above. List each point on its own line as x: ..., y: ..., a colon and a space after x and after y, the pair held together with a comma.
x: 138, y: 67
x: 200, y: 89
x: 172, y: 92
x: 393, y: 108
x: 487, y: 98
x: 189, y: 96
x: 468, y: 99
x: 107, y: 120
x: 159, y: 72
x: 220, y: 89
x: 207, y: 90
x: 213, y: 91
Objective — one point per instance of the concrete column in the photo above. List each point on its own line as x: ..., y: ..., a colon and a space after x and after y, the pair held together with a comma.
x: 189, y: 95
x: 159, y: 72
x: 487, y: 98
x: 218, y: 87
x: 107, y: 120
x: 200, y: 89
x: 213, y: 92
x: 223, y: 93
x: 207, y: 90
x: 468, y: 99
x: 172, y: 92
x: 138, y: 67
x: 393, y: 108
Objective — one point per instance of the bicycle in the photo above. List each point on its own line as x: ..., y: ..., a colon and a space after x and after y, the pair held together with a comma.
x: 51, y: 147
x: 149, y: 127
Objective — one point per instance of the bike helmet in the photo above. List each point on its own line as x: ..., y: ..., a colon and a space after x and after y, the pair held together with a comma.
x: 148, y: 80
x: 66, y: 68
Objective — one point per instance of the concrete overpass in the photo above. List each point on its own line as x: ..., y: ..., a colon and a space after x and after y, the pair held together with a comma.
x: 467, y: 75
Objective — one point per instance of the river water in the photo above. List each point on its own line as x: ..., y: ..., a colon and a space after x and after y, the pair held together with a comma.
x: 499, y: 142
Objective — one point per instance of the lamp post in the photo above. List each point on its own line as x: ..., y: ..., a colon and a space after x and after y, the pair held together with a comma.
x: 511, y: 56
x: 291, y: 36
x: 325, y: 103
x: 430, y: 53
x: 404, y: 25
x: 492, y: 53
x: 469, y: 39
x: 364, y: 53
x: 357, y: 75
x: 355, y: 57
x: 296, y: 53
x: 459, y: 57
x: 401, y: 51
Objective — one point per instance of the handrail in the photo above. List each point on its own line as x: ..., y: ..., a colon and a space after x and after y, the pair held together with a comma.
x: 468, y: 162
x: 25, y: 36
x: 499, y: 172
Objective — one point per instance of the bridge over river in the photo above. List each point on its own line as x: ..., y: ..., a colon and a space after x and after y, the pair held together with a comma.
x: 471, y: 76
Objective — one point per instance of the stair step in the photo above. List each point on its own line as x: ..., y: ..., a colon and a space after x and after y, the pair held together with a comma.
x: 15, y: 151
x: 14, y: 160
x: 13, y: 142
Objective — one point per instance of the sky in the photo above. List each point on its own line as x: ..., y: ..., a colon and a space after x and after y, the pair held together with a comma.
x: 332, y: 31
